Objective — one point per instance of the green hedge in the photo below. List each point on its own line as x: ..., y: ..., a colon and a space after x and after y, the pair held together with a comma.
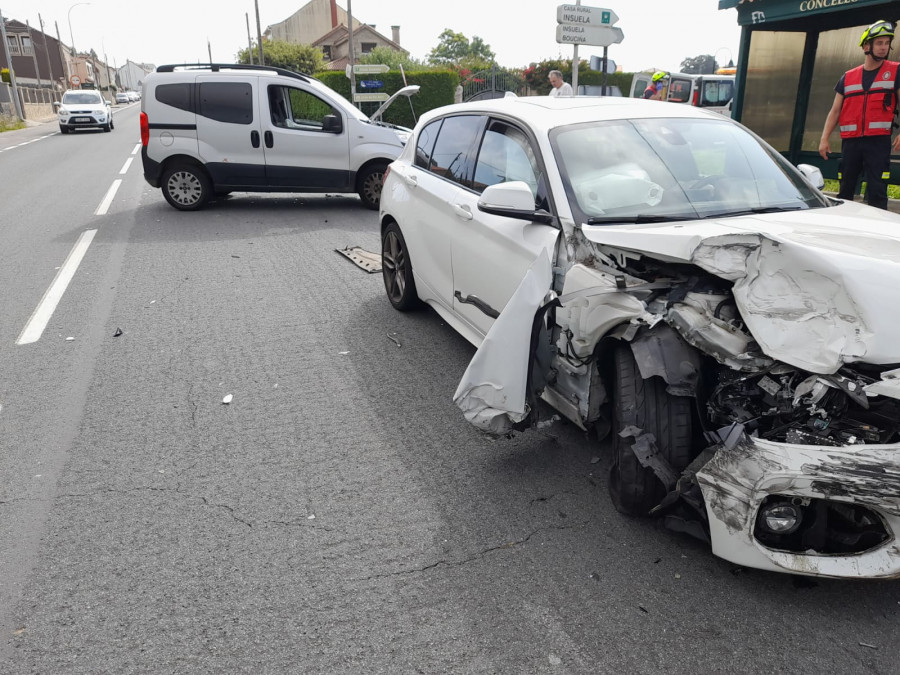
x: 437, y: 89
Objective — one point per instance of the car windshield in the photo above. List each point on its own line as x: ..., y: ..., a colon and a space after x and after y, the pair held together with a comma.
x: 81, y: 98
x: 649, y: 170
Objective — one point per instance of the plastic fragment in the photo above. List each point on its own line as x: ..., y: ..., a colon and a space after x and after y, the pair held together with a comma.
x: 228, y: 399
x: 643, y: 609
x: 311, y: 516
x: 70, y: 339
x: 677, y: 575
x: 118, y: 332
x: 393, y: 339
x: 866, y: 644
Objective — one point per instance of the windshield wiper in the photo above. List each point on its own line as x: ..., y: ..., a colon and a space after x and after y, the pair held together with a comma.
x: 637, y: 220
x: 753, y: 210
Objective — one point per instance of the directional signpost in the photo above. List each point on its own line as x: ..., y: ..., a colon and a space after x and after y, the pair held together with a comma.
x: 582, y: 25
x: 368, y: 69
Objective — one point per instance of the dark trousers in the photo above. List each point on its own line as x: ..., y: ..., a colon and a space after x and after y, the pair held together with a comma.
x: 868, y: 156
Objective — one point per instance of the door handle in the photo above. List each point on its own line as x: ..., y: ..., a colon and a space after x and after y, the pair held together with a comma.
x: 463, y: 212
x: 411, y: 180
x: 270, y: 140
x: 254, y: 139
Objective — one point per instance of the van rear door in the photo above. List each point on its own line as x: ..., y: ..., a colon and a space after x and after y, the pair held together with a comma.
x: 228, y: 131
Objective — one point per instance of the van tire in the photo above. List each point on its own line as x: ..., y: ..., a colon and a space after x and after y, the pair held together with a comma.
x: 186, y: 187
x: 369, y: 183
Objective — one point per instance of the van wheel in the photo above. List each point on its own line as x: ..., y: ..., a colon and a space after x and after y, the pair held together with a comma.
x: 634, y: 488
x: 186, y: 187
x: 369, y: 185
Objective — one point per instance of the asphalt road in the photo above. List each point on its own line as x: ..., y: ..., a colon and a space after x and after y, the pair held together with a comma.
x: 339, y: 515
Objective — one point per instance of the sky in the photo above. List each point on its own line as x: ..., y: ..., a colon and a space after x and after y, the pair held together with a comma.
x: 659, y: 34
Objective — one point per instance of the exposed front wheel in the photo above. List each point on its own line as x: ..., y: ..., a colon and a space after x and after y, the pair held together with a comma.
x: 396, y: 270
x: 369, y: 184
x: 186, y: 187
x: 634, y: 488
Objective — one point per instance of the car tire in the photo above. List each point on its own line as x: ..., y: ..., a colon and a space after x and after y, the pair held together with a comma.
x: 112, y: 124
x: 369, y: 183
x: 63, y: 129
x: 186, y: 187
x: 107, y: 128
x: 633, y: 488
x: 396, y: 270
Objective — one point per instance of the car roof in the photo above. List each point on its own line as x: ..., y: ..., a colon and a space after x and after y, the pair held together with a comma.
x: 546, y: 112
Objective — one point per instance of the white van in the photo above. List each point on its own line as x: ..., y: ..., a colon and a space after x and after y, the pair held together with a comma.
x: 212, y: 129
x: 713, y: 92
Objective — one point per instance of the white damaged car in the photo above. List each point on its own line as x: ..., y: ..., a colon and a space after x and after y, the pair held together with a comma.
x: 660, y: 274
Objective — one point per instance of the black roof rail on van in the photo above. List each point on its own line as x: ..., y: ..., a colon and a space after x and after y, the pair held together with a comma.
x: 216, y: 67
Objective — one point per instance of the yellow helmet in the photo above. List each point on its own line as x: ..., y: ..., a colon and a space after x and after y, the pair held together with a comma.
x: 877, y: 29
x: 660, y: 75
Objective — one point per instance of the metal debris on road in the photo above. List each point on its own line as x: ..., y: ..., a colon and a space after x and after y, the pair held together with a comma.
x: 393, y: 339
x: 365, y: 260
x: 118, y: 332
x: 866, y: 644
x: 228, y: 399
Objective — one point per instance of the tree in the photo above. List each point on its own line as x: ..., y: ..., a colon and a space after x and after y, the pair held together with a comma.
x: 699, y: 65
x: 392, y: 58
x: 280, y: 54
x: 455, y: 48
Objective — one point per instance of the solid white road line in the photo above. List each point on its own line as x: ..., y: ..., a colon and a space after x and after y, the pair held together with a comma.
x: 126, y: 165
x: 41, y: 316
x: 107, y: 200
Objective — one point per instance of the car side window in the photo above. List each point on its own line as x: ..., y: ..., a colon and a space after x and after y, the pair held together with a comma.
x: 179, y: 95
x: 450, y: 158
x: 679, y: 91
x: 506, y: 155
x: 292, y: 108
x: 425, y: 144
x: 230, y: 102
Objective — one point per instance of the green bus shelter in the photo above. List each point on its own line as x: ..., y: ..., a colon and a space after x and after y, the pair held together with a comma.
x: 792, y: 53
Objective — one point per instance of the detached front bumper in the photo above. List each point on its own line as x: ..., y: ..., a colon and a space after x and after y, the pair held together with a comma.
x: 860, y: 480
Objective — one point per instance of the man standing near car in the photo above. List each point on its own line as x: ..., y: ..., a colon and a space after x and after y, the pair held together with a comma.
x: 560, y: 86
x: 865, y: 102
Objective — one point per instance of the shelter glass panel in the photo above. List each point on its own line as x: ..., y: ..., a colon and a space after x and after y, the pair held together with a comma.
x: 773, y: 78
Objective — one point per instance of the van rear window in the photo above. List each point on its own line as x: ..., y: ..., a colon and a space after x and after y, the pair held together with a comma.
x: 179, y: 96
x: 230, y: 102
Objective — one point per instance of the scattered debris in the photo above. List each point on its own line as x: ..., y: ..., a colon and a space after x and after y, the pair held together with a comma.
x: 70, y: 339
x: 118, y: 332
x: 311, y: 516
x: 365, y: 260
x: 235, y: 256
x: 866, y: 644
x: 228, y: 399
x: 343, y: 353
x: 677, y: 575
x: 393, y: 339
x: 19, y: 631
x: 594, y: 460
x: 594, y: 576
x: 657, y: 561
x: 643, y: 609
x: 555, y: 660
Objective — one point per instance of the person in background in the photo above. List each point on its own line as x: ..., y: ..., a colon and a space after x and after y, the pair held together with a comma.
x: 560, y: 86
x: 654, y: 90
x: 865, y: 102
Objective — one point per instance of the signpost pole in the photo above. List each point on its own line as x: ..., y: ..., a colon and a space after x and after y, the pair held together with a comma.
x: 605, y: 68
x: 575, y: 63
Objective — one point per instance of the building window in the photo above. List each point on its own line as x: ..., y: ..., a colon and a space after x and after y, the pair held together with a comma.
x: 27, y: 47
x: 326, y: 52
x: 13, y: 44
x: 367, y: 47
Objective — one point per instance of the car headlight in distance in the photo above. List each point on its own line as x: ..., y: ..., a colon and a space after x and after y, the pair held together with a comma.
x: 63, y: 112
x: 780, y: 517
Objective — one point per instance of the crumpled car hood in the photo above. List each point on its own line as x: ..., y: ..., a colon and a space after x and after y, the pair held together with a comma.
x: 815, y: 288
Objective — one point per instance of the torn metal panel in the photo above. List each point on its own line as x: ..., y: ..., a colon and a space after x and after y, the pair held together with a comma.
x: 365, y: 260
x: 736, y: 481
x: 491, y: 393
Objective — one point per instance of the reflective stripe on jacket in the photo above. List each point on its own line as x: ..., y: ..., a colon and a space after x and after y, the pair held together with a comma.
x: 868, y: 113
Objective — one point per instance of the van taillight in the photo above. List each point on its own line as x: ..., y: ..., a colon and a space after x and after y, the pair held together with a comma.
x: 145, y: 129
x: 696, y: 98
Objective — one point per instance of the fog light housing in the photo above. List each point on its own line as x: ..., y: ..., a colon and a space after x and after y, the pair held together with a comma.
x: 780, y: 517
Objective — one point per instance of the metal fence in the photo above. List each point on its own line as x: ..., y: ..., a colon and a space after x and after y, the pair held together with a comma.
x: 493, y: 83
x: 37, y: 102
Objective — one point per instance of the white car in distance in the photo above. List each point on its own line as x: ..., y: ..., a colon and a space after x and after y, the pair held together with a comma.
x: 660, y: 274
x: 83, y: 109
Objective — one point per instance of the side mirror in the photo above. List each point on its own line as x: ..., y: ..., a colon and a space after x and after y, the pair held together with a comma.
x: 512, y: 200
x: 813, y: 174
x: 332, y: 124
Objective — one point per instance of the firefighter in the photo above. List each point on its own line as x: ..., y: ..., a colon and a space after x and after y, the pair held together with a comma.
x: 865, y: 103
x: 654, y: 90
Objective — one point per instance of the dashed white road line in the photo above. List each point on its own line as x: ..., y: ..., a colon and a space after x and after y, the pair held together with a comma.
x: 107, y: 200
x: 136, y: 148
x: 42, y: 313
x: 126, y: 165
x: 33, y: 140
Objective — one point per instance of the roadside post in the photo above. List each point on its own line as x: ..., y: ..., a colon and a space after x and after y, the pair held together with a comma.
x: 368, y: 69
x: 582, y: 25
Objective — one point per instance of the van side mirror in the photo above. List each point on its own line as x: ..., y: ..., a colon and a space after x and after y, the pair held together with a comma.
x: 332, y: 124
x: 813, y: 174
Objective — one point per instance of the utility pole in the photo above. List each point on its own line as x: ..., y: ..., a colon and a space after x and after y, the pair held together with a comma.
x: 46, y: 50
x: 12, y: 74
x: 63, y: 57
x: 209, y: 50
x: 249, y: 41
x: 352, y: 54
x: 262, y: 59
x: 37, y: 71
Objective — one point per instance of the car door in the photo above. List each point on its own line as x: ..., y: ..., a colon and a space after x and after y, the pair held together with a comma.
x: 228, y: 130
x: 490, y: 253
x: 301, y: 149
x: 443, y: 162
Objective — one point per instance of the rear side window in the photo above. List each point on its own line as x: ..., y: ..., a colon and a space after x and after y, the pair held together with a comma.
x: 230, y: 102
x: 425, y: 144
x: 450, y: 158
x: 679, y: 91
x: 179, y: 95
